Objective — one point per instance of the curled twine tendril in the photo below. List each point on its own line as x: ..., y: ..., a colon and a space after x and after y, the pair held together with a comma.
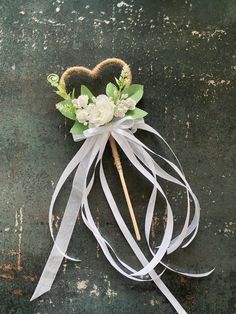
x: 53, y: 79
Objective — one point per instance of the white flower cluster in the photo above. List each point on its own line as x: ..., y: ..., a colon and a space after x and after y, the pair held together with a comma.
x: 102, y: 109
x: 123, y: 105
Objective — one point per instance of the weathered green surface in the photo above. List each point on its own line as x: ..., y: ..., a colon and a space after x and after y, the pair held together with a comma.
x: 184, y: 54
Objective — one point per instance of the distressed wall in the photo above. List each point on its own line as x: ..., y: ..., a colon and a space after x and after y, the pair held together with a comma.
x: 184, y: 54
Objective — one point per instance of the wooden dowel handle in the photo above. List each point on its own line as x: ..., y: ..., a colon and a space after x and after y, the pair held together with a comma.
x: 124, y: 186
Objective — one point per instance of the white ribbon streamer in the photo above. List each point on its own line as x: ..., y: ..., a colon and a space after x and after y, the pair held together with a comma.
x: 86, y: 160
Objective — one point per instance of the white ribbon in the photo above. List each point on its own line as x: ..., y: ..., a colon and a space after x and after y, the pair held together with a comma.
x: 86, y: 160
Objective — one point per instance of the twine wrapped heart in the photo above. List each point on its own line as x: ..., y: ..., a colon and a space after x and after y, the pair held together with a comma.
x: 97, y: 78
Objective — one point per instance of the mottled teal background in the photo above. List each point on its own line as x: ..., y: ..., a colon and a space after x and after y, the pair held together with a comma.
x: 184, y: 53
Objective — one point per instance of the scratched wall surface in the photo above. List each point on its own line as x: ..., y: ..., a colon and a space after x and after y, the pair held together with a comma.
x: 184, y: 54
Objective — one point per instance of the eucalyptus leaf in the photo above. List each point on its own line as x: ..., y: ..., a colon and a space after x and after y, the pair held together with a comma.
x: 111, y: 89
x: 137, y: 113
x: 78, y: 128
x: 86, y: 91
x: 134, y: 91
x: 67, y: 108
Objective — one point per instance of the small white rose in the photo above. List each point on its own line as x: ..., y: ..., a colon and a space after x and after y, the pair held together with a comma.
x: 81, y: 102
x: 121, y: 109
x: 119, y: 113
x: 82, y: 115
x: 102, y: 111
x: 130, y: 103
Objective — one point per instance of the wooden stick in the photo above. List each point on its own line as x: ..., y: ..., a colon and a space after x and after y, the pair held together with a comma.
x: 124, y: 186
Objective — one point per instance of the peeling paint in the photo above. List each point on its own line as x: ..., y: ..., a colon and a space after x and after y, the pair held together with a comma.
x: 94, y: 291
x: 18, y: 292
x: 109, y: 292
x: 64, y: 266
x: 123, y: 4
x: 188, y: 125
x: 82, y: 285
x: 209, y: 34
x: 155, y: 223
x: 218, y: 82
x: 7, y: 276
x: 19, y: 230
x: 154, y: 302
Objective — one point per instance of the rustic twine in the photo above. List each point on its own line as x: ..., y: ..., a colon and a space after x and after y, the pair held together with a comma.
x: 97, y: 70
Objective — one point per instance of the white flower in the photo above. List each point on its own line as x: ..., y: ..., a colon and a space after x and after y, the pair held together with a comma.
x: 123, y: 106
x: 82, y: 115
x: 81, y: 102
x: 119, y: 113
x: 121, y: 109
x: 130, y: 103
x: 101, y: 112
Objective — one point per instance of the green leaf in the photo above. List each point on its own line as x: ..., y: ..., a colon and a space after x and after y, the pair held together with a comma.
x: 78, y: 128
x: 67, y: 108
x: 86, y: 91
x: 62, y: 85
x: 62, y: 90
x: 63, y: 94
x: 137, y: 113
x: 111, y: 89
x: 134, y: 91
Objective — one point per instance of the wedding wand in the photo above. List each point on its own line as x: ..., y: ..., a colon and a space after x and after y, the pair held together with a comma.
x: 114, y: 117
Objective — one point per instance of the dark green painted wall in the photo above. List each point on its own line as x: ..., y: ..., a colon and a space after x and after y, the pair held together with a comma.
x: 184, y: 53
